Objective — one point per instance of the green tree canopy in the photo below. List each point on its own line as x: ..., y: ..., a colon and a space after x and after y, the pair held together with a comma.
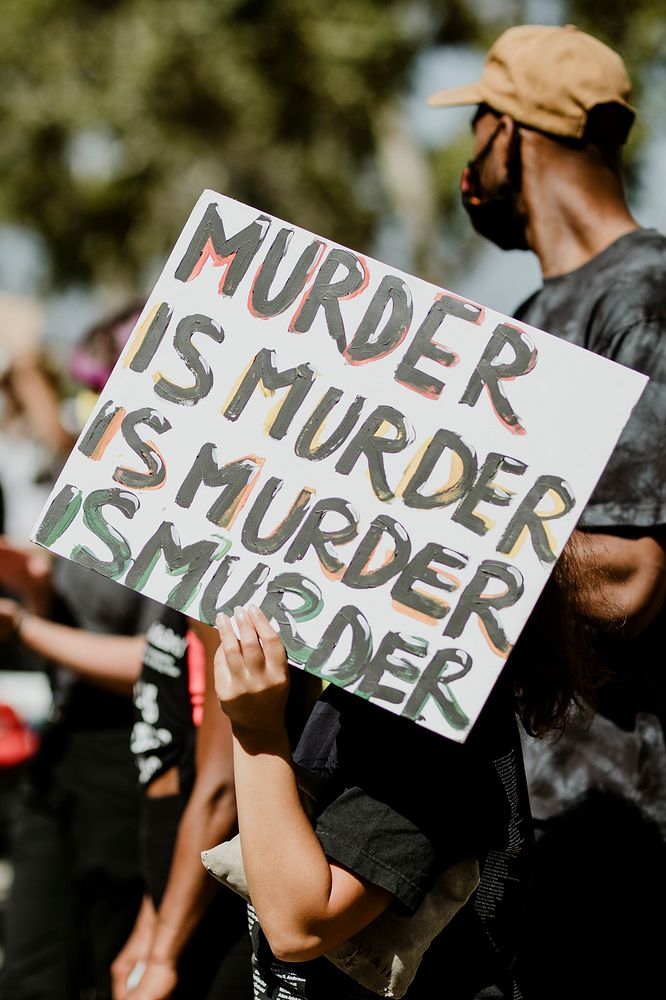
x: 117, y: 113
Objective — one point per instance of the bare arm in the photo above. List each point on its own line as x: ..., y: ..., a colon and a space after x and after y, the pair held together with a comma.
x: 135, y: 950
x: 208, y: 819
x: 39, y: 401
x: 306, y: 905
x: 110, y: 661
x: 621, y: 581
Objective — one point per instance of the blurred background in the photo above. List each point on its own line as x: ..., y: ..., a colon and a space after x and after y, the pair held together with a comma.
x: 116, y: 114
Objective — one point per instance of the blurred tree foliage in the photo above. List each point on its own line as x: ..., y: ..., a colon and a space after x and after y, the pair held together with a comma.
x: 117, y: 113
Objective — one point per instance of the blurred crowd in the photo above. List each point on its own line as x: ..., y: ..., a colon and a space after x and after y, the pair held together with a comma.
x: 46, y: 396
x: 153, y: 740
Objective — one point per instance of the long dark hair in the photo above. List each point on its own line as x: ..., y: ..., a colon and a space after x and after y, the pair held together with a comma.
x: 555, y: 668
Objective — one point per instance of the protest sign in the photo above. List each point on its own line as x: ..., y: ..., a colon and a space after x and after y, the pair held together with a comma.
x: 389, y: 470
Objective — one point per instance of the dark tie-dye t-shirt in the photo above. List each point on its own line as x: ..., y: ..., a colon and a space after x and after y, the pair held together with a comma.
x: 615, y: 305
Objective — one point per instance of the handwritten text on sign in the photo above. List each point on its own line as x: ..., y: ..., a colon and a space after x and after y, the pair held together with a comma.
x: 389, y: 470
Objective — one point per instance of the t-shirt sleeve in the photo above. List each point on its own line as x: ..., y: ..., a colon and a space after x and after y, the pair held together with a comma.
x: 375, y: 841
x: 399, y: 804
x: 406, y: 803
x: 632, y: 489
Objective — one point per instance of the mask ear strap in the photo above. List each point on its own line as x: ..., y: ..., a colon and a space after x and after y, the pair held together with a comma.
x: 487, y: 146
x: 470, y: 171
x: 515, y: 163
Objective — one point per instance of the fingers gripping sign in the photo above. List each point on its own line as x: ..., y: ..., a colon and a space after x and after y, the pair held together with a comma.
x: 251, y: 672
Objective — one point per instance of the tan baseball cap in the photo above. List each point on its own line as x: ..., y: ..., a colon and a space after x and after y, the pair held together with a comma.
x: 547, y: 77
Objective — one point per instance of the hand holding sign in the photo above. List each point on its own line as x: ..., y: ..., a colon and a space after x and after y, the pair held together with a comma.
x: 251, y: 673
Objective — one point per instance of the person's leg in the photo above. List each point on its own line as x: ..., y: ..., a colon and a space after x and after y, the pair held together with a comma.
x: 40, y: 943
x: 103, y: 793
x: 215, y: 964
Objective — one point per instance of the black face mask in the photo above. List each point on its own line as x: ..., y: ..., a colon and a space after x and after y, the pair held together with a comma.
x: 497, y: 216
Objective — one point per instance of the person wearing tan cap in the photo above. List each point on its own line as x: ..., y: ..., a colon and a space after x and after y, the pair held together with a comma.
x: 552, y: 113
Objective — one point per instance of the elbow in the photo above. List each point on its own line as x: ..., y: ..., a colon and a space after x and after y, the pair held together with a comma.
x: 294, y: 951
x: 216, y: 804
x: 644, y: 605
x: 221, y: 806
x: 637, y: 620
x: 294, y: 945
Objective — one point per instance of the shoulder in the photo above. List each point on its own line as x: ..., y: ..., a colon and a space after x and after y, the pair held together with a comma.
x: 98, y: 603
x: 625, y: 293
x: 406, y: 802
x: 634, y: 289
x: 526, y: 304
x: 621, y: 287
x: 168, y: 623
x: 166, y: 646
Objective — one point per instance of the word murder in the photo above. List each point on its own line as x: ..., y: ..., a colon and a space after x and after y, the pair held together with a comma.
x: 333, y: 279
x: 469, y: 483
x: 205, y: 567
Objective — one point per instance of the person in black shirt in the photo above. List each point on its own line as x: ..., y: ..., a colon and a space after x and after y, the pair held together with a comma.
x: 552, y: 114
x: 190, y: 937
x: 395, y: 806
x: 76, y: 882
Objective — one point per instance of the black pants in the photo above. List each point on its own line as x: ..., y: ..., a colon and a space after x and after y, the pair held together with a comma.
x: 216, y: 963
x: 76, y: 884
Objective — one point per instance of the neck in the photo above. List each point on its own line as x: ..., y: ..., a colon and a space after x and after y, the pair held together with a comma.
x: 575, y: 211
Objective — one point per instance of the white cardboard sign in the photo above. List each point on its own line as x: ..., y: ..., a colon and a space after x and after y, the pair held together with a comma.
x: 388, y: 469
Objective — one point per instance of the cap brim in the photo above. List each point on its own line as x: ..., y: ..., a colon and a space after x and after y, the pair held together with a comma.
x: 456, y: 96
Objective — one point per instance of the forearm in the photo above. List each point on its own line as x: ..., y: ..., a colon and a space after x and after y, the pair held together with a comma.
x: 111, y: 661
x: 305, y: 905
x: 288, y: 875
x: 209, y: 818
x: 620, y: 581
x: 134, y: 952
x: 40, y: 403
